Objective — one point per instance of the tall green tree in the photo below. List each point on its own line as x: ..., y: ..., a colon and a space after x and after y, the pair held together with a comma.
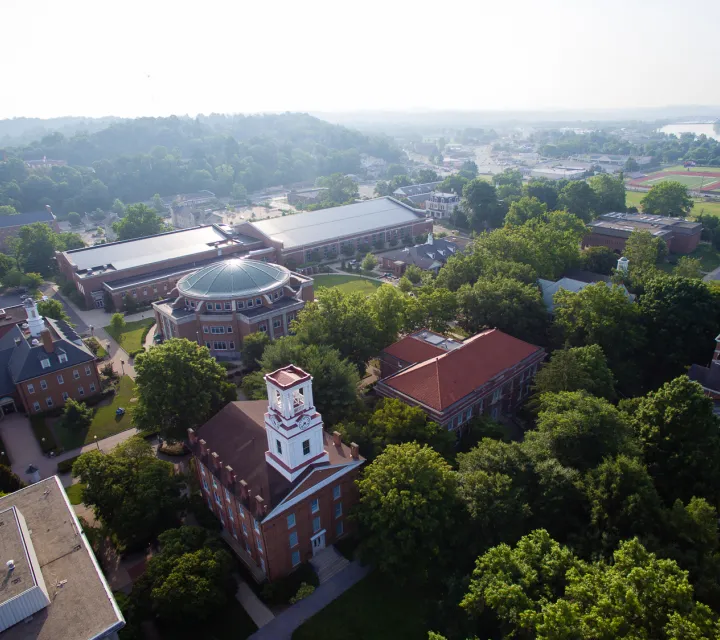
x: 598, y: 260
x: 667, y: 198
x: 505, y: 304
x: 481, y: 205
x: 34, y: 248
x: 579, y: 198
x: 179, y: 385
x: 577, y: 369
x: 140, y: 221
x: 609, y: 193
x: 644, y: 252
x: 408, y: 512
x: 136, y: 495
x: 52, y: 308
x: 524, y: 209
x: 544, y: 190
x: 253, y: 347
x: 340, y: 189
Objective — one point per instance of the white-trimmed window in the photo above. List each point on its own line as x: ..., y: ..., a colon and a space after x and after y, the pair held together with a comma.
x: 217, y: 500
x: 228, y: 306
x: 134, y: 293
x: 214, y: 483
x: 206, y: 330
x: 218, y: 306
x: 76, y: 374
x: 88, y: 371
x: 316, y: 524
x: 291, y: 521
x: 60, y: 379
x: 81, y: 391
x: 250, y: 304
x: 92, y: 387
x: 154, y: 288
x: 258, y: 302
x: 231, y: 344
x: 43, y: 384
x: 36, y: 406
x: 240, y: 304
x: 257, y: 526
x: 245, y: 532
x: 217, y: 330
x: 62, y: 357
x: 45, y: 363
x: 219, y: 345
x: 277, y: 323
x: 315, y: 505
x: 263, y: 328
x: 306, y: 447
x: 65, y: 395
x: 205, y: 484
x: 208, y: 345
x: 336, y: 492
x: 145, y: 291
x: 227, y: 497
x: 230, y: 515
x: 262, y: 565
x: 229, y: 329
x: 241, y: 511
x: 295, y: 558
x: 259, y: 545
x: 31, y: 388
x: 338, y: 509
x: 49, y: 402
x: 497, y: 394
x: 339, y: 528
x: 293, y: 539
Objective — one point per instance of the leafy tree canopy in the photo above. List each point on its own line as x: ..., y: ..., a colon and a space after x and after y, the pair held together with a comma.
x: 577, y: 369
x: 667, y: 198
x: 140, y: 221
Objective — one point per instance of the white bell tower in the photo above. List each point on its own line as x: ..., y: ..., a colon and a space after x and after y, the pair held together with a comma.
x: 35, y: 321
x: 293, y: 426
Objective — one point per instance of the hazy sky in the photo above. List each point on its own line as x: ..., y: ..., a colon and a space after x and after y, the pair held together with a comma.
x: 157, y: 57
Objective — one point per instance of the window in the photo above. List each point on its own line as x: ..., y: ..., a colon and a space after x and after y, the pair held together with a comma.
x: 228, y: 306
x: 62, y: 357
x: 205, y: 330
x: 65, y: 396
x: 230, y: 515
x: 214, y: 484
x: 220, y: 346
x: 217, y: 330
x: 123, y: 294
x: 250, y: 304
x: 76, y: 374
x: 291, y: 521
x: 277, y: 323
x: 258, y: 302
x: 218, y: 306
x: 154, y: 288
x: 81, y: 391
x: 306, y: 447
x: 217, y: 499
x: 257, y: 526
x: 234, y: 533
x: 316, y: 524
x: 262, y: 328
x: 45, y: 363
x: 480, y: 406
x: 36, y: 406
x: 336, y: 492
x: 134, y: 293
x: 60, y: 379
x: 241, y: 511
x: 245, y: 532
x: 208, y: 345
x: 210, y: 504
x: 49, y: 402
x: 293, y: 539
x: 87, y: 371
x: 247, y: 549
x: 278, y: 446
x: 276, y: 295
x: 240, y: 304
x: 92, y: 388
x: 145, y: 291
x: 205, y: 484
x: 31, y: 388
x: 232, y: 346
x: 295, y: 558
x: 165, y: 287
x: 338, y: 509
x: 227, y: 496
x: 43, y: 384
x: 262, y: 565
x: 259, y: 545
x: 497, y: 394
x: 315, y: 505
x: 229, y: 329
x: 339, y: 528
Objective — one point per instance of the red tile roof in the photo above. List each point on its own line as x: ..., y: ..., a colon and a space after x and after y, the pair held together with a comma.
x: 443, y: 380
x: 412, y: 349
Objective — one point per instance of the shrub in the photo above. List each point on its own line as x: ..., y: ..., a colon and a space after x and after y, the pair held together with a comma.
x: 117, y: 322
x: 369, y: 262
x: 109, y: 371
x: 93, y: 344
x: 130, y: 304
x: 9, y: 482
x: 303, y: 592
x: 145, y: 332
x: 283, y: 590
x: 76, y: 415
x: 136, y: 352
x: 173, y: 448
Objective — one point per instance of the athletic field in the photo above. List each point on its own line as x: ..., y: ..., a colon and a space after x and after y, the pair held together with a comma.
x: 703, y: 180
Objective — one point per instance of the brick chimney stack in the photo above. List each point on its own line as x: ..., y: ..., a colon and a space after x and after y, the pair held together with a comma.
x: 336, y: 438
x: 47, y: 341
x: 354, y: 451
x: 192, y: 437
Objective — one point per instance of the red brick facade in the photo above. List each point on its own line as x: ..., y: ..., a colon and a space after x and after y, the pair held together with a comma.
x: 79, y: 382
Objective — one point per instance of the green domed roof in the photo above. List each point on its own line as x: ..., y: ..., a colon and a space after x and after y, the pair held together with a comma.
x: 233, y: 278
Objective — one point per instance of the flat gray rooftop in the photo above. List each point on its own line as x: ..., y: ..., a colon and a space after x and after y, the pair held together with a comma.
x: 12, y: 547
x: 151, y: 250
x: 336, y: 222
x: 82, y: 606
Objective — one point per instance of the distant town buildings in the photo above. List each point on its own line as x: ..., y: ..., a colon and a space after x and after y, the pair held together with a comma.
x: 281, y: 486
x: 52, y: 587
x: 219, y: 304
x: 10, y: 225
x: 613, y: 229
x: 441, y: 205
x: 488, y: 374
x: 429, y: 256
x: 306, y: 196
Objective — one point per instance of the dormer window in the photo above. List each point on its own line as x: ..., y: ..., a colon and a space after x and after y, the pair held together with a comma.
x: 62, y: 357
x: 45, y: 362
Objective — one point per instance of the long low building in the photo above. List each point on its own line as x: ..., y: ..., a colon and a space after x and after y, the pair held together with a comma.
x: 296, y: 237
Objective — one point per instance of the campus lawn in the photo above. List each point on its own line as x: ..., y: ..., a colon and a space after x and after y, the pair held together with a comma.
x: 690, y: 180
x: 373, y: 608
x: 632, y: 199
x: 74, y: 493
x: 347, y: 283
x: 130, y: 336
x: 679, y: 167
x: 105, y: 423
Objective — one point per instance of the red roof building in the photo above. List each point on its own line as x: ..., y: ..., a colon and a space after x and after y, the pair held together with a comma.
x: 279, y: 483
x: 489, y: 373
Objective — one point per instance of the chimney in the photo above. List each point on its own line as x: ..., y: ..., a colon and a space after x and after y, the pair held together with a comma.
x: 354, y: 451
x: 260, y: 505
x: 244, y: 490
x: 47, y: 341
x: 336, y: 438
x: 229, y: 476
x: 217, y: 463
x: 203, y: 447
x: 192, y: 437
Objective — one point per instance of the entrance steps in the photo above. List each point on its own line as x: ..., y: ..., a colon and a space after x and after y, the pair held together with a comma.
x: 328, y: 563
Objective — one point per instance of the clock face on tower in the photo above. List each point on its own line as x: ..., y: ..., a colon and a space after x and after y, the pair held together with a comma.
x: 304, y: 422
x: 274, y: 421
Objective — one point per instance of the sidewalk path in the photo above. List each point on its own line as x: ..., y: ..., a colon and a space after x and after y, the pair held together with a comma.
x: 282, y: 627
x: 118, y: 355
x: 255, y: 607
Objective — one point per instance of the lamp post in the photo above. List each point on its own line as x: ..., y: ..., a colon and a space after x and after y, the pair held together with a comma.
x: 97, y: 444
x: 122, y: 364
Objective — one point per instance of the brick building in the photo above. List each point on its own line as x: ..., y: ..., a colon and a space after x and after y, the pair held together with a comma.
x: 147, y: 269
x: 709, y: 377
x: 222, y: 303
x: 487, y: 374
x: 298, y: 238
x: 280, y: 484
x: 10, y: 225
x: 429, y: 256
x: 43, y: 362
x: 613, y: 229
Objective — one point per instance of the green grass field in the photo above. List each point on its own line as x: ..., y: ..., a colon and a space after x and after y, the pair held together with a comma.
x: 130, y: 336
x: 689, y: 180
x: 679, y: 167
x: 74, y: 493
x: 105, y: 423
x: 632, y: 198
x: 346, y: 283
x: 373, y: 608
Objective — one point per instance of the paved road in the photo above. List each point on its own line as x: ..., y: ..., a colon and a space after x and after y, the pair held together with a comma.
x: 282, y: 626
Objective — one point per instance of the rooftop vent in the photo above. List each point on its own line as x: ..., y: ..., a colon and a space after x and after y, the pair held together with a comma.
x: 10, y: 564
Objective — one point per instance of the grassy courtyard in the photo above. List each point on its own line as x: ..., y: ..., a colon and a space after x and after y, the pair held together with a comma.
x: 347, y: 283
x: 130, y: 336
x: 74, y: 493
x: 632, y: 199
x: 373, y: 608
x: 105, y: 423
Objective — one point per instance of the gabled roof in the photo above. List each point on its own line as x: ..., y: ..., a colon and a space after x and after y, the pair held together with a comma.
x: 410, y: 349
x: 22, y: 219
x: 444, y: 380
x: 416, y: 189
